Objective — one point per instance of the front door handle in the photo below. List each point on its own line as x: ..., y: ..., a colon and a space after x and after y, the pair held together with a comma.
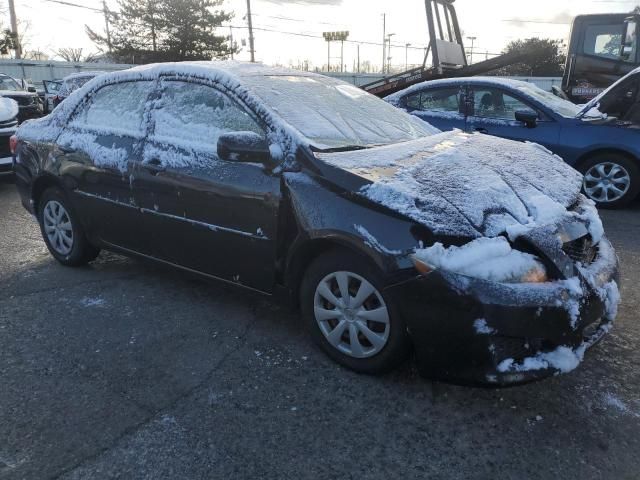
x: 154, y: 166
x: 482, y: 130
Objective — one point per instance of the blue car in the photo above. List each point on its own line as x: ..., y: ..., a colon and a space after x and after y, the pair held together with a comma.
x: 604, y: 147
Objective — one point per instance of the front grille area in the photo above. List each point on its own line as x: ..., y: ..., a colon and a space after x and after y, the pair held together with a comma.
x: 22, y: 100
x: 5, y: 151
x: 9, y: 123
x: 581, y: 250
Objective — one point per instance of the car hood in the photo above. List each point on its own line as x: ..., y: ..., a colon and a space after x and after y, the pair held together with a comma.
x: 464, y: 184
x: 15, y: 93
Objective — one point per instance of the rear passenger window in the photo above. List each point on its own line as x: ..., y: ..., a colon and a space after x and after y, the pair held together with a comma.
x: 193, y: 116
x: 441, y: 100
x: 117, y: 108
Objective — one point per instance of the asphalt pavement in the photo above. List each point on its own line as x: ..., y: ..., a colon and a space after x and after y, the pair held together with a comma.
x: 124, y: 369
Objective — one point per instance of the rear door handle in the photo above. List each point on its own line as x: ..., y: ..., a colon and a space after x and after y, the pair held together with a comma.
x: 482, y: 130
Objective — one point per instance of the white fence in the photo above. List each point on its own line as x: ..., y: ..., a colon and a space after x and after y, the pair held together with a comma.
x: 37, y: 71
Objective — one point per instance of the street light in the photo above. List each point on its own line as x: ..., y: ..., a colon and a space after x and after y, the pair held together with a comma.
x: 473, y: 39
x: 406, y: 56
x: 389, y: 52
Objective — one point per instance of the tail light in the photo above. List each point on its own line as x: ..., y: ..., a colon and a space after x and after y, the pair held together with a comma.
x: 13, y: 144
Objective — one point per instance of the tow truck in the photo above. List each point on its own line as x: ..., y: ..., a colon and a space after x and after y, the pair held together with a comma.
x: 602, y: 49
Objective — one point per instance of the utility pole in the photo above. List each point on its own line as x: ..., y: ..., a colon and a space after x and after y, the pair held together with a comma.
x: 406, y: 56
x: 384, y: 41
x: 231, y: 40
x: 14, y: 29
x: 341, y: 56
x: 358, y: 58
x: 106, y: 23
x: 473, y: 39
x: 250, y: 22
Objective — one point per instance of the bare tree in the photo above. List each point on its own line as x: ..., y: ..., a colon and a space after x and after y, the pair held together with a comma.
x: 75, y: 55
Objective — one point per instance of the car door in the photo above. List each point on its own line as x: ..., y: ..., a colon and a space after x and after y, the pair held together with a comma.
x: 493, y: 110
x: 444, y: 108
x: 99, y: 145
x: 213, y: 216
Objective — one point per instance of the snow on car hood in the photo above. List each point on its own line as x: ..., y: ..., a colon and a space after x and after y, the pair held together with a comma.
x: 8, y: 109
x: 461, y: 184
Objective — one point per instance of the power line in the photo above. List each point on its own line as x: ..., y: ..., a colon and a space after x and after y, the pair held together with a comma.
x: 70, y: 4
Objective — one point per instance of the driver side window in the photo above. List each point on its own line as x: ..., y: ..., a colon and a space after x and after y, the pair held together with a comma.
x: 494, y: 103
x: 193, y: 116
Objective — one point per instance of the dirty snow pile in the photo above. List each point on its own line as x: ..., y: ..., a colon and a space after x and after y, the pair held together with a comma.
x: 486, y: 258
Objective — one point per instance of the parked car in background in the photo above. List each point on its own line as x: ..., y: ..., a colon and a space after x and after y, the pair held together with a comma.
x: 605, y: 149
x: 71, y: 83
x: 28, y: 101
x: 479, y: 251
x: 8, y: 123
x: 50, y: 89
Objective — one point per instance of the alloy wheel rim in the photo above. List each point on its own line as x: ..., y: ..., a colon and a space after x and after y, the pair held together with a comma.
x: 58, y: 227
x: 607, y: 182
x: 351, y: 314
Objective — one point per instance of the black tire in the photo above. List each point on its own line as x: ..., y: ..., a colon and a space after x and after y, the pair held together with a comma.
x: 81, y: 251
x: 621, y: 161
x: 397, y: 346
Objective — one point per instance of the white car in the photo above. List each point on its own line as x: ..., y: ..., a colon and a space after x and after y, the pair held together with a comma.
x: 8, y: 124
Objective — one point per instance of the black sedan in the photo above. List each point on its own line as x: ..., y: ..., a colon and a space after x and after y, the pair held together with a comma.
x: 479, y: 254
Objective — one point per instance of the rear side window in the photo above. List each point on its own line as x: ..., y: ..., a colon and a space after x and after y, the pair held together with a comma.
x: 193, y: 116
x: 441, y: 100
x: 117, y: 108
x: 604, y: 40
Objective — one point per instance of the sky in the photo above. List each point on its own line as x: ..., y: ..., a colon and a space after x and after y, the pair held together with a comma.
x: 494, y: 23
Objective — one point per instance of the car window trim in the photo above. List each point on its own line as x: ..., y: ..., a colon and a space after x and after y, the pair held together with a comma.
x: 541, y: 112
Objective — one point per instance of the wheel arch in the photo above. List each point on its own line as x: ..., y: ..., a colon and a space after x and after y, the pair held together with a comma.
x: 603, y: 151
x: 40, y: 185
x: 304, y: 254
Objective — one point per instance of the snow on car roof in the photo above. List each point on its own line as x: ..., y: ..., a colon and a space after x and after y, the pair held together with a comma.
x: 527, y: 89
x: 298, y: 112
x: 85, y: 74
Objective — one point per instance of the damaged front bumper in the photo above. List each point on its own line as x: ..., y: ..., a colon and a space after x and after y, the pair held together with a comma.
x: 473, y: 331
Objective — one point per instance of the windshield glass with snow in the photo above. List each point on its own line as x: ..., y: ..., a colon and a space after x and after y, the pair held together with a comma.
x: 333, y: 115
x: 559, y: 105
x: 7, y: 83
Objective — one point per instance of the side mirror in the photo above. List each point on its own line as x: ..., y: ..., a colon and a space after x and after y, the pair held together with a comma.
x: 627, y: 50
x: 528, y: 117
x: 31, y: 89
x: 246, y: 147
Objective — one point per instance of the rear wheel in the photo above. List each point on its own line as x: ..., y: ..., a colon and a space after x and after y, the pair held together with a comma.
x: 61, y: 230
x: 349, y: 316
x: 611, y: 180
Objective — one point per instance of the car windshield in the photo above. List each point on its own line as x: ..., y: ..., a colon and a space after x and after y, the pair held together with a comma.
x: 7, y: 83
x: 335, y: 115
x: 559, y: 105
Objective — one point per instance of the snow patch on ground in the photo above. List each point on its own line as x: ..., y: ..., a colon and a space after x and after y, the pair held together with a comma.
x: 92, y: 302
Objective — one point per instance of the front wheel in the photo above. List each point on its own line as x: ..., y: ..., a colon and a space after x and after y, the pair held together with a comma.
x: 61, y: 230
x: 349, y: 316
x: 611, y: 180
